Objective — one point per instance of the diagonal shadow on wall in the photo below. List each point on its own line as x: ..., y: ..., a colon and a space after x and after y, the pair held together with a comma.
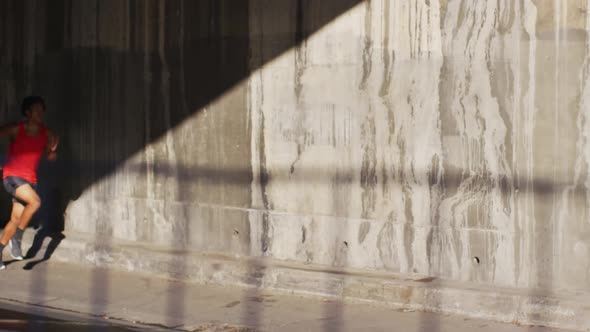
x: 118, y: 75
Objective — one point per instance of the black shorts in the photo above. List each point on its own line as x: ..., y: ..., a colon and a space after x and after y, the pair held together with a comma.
x: 13, y: 182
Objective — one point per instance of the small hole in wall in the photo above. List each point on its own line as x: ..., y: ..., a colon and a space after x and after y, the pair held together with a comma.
x: 475, y: 260
x: 236, y: 232
x: 346, y: 244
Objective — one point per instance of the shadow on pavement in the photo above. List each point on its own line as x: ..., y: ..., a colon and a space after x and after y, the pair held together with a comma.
x: 42, y: 234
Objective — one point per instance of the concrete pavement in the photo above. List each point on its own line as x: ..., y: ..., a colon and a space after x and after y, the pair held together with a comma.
x: 52, y: 287
x: 546, y: 306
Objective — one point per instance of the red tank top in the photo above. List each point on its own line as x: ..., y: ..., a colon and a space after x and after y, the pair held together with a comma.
x: 25, y: 153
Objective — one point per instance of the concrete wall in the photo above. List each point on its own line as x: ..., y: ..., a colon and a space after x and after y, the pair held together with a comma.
x: 405, y: 136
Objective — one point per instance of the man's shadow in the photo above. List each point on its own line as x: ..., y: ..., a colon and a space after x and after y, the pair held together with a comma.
x: 42, y: 234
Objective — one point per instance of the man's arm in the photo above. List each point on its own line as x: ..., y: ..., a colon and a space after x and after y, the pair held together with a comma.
x: 52, y: 142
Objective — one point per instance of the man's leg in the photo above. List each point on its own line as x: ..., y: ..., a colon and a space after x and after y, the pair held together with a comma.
x: 12, y: 225
x: 10, y: 228
x: 27, y: 195
x: 15, y: 241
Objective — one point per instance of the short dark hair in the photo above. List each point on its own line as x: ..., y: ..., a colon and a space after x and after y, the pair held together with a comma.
x: 29, y: 101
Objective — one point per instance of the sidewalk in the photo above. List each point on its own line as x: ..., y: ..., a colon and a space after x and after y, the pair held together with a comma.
x: 138, y: 298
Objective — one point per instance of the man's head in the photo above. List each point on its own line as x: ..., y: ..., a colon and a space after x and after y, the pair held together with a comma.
x: 33, y: 108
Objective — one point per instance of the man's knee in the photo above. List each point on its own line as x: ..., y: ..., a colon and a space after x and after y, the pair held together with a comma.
x: 35, y: 203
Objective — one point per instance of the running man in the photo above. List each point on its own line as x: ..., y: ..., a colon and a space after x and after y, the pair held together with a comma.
x: 29, y: 140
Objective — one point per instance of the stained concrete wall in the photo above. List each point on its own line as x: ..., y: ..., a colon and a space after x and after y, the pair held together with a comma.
x: 403, y: 136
